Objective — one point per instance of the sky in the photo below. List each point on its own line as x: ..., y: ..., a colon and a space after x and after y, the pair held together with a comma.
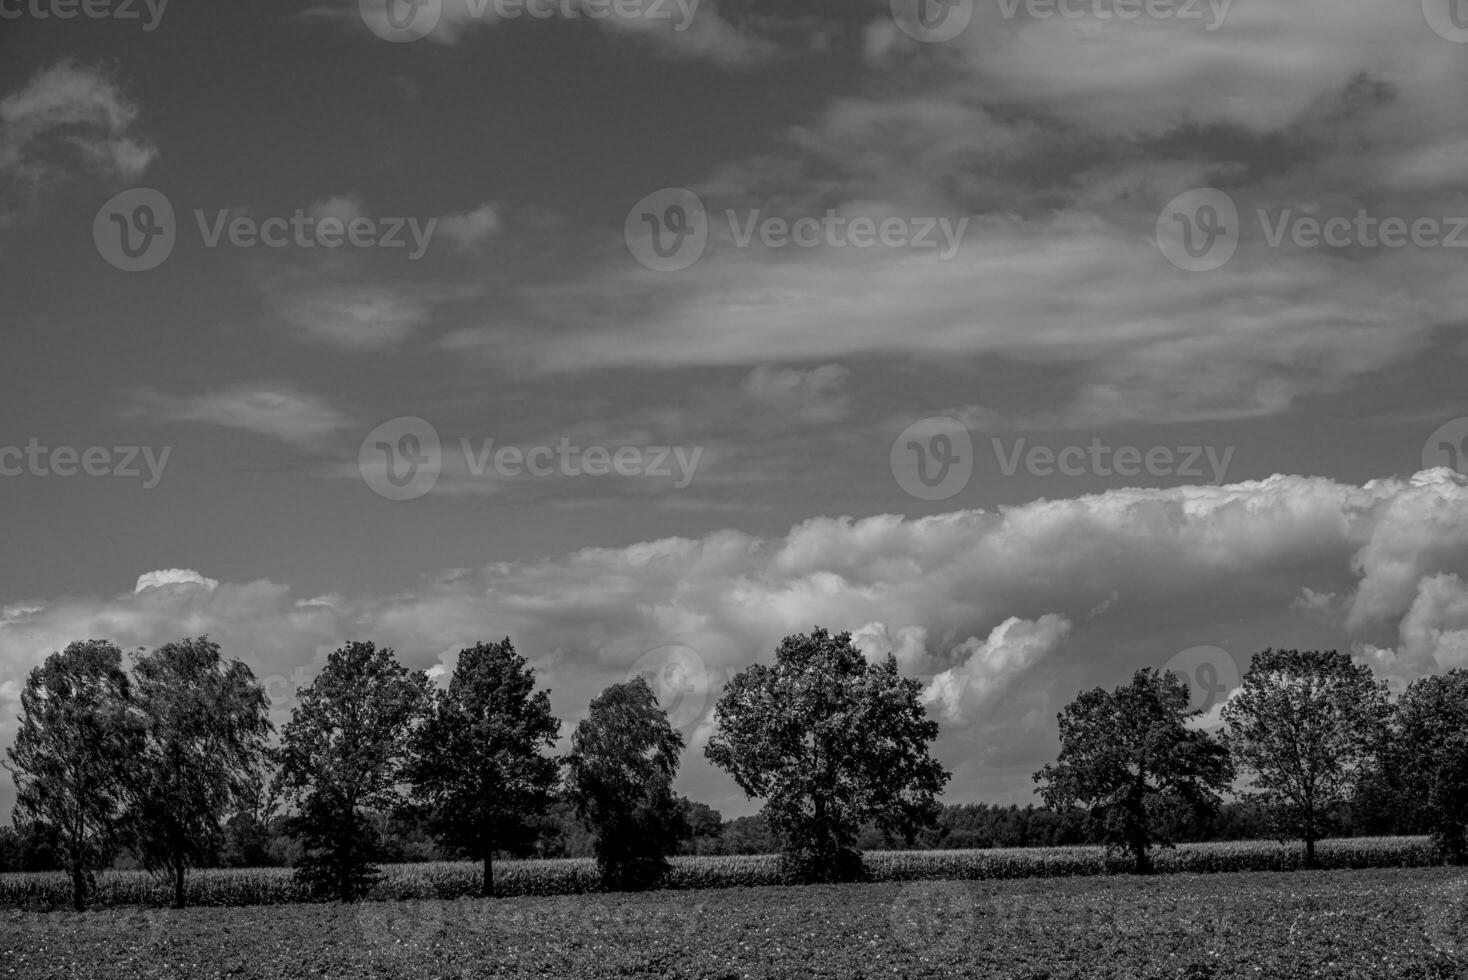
x: 1031, y: 341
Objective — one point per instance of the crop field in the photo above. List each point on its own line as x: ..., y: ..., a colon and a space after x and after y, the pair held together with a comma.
x: 273, y: 886
x: 1404, y: 924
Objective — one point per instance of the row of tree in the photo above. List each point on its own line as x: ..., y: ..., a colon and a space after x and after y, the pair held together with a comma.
x: 1310, y: 736
x: 175, y: 760
x: 157, y: 760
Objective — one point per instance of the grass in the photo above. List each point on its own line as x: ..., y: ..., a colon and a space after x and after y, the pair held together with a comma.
x: 273, y: 886
x: 1379, y: 923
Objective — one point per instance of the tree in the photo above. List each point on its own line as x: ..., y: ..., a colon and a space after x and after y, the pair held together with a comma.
x: 1427, y: 760
x: 345, y: 751
x: 206, y: 742
x: 705, y: 827
x: 79, y: 733
x: 1307, y: 726
x: 624, y: 756
x: 28, y: 846
x: 1131, y: 759
x: 830, y: 742
x: 479, y: 765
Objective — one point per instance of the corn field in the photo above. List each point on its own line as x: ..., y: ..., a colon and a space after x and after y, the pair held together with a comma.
x: 275, y: 886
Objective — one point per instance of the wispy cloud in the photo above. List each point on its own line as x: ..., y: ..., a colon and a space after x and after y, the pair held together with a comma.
x: 276, y: 411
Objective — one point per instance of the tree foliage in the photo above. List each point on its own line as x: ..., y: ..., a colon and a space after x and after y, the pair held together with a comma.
x: 619, y: 777
x: 480, y: 765
x: 1307, y: 726
x: 830, y: 742
x: 207, y: 726
x: 1427, y: 758
x: 1130, y: 758
x: 345, y: 751
x: 80, y: 732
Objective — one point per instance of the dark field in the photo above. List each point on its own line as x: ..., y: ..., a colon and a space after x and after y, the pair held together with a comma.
x: 1376, y: 923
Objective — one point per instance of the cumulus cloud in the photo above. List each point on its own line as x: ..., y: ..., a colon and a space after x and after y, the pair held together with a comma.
x: 1023, y: 579
x: 1013, y: 646
x: 174, y: 576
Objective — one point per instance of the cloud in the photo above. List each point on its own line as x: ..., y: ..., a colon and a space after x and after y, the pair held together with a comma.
x: 174, y: 576
x: 1060, y: 141
x: 343, y: 208
x: 353, y: 315
x: 471, y: 228
x: 673, y: 29
x: 274, y: 410
x: 1023, y: 579
x: 65, y: 119
x: 812, y: 397
x: 1013, y: 646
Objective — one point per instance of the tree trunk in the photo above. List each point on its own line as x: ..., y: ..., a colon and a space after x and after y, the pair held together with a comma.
x: 78, y: 888
x: 1144, y: 860
x: 488, y: 889
x: 344, y: 860
x: 178, y: 884
x: 1309, y: 852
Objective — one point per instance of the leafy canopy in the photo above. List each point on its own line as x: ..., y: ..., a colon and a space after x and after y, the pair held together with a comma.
x: 80, y: 731
x: 1131, y: 759
x: 624, y: 757
x: 830, y: 742
x: 1307, y: 726
x: 346, y: 750
x: 480, y: 765
x: 207, y: 726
